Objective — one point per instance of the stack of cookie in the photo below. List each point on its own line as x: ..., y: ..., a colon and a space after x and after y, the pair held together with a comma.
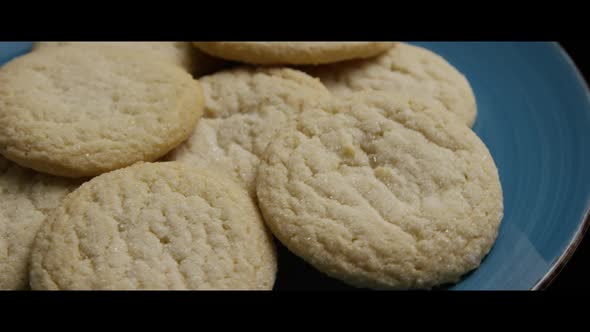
x: 171, y: 165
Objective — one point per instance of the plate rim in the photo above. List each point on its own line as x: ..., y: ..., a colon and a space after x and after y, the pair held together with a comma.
x: 557, y: 266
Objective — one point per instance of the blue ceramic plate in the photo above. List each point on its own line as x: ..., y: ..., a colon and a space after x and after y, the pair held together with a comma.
x: 534, y: 115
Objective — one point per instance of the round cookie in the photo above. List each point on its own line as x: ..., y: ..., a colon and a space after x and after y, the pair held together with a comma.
x: 77, y: 111
x: 404, y: 68
x: 155, y: 226
x: 26, y: 197
x: 293, y: 53
x: 244, y: 108
x: 382, y: 191
x: 182, y: 54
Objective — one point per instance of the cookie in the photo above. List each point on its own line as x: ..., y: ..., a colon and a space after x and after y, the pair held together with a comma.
x: 26, y: 197
x: 155, y: 226
x: 382, y: 191
x: 182, y: 54
x: 404, y: 68
x: 292, y: 53
x: 77, y: 112
x: 244, y: 107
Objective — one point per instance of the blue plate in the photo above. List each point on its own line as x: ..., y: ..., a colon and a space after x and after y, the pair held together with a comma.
x: 534, y: 115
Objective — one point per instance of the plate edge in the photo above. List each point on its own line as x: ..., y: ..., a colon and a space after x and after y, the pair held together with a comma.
x: 580, y: 233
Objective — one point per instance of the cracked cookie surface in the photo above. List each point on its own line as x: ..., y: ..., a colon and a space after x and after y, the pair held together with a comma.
x: 293, y: 53
x: 244, y: 108
x: 77, y: 112
x: 155, y: 226
x: 404, y: 68
x: 26, y: 197
x: 382, y: 191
